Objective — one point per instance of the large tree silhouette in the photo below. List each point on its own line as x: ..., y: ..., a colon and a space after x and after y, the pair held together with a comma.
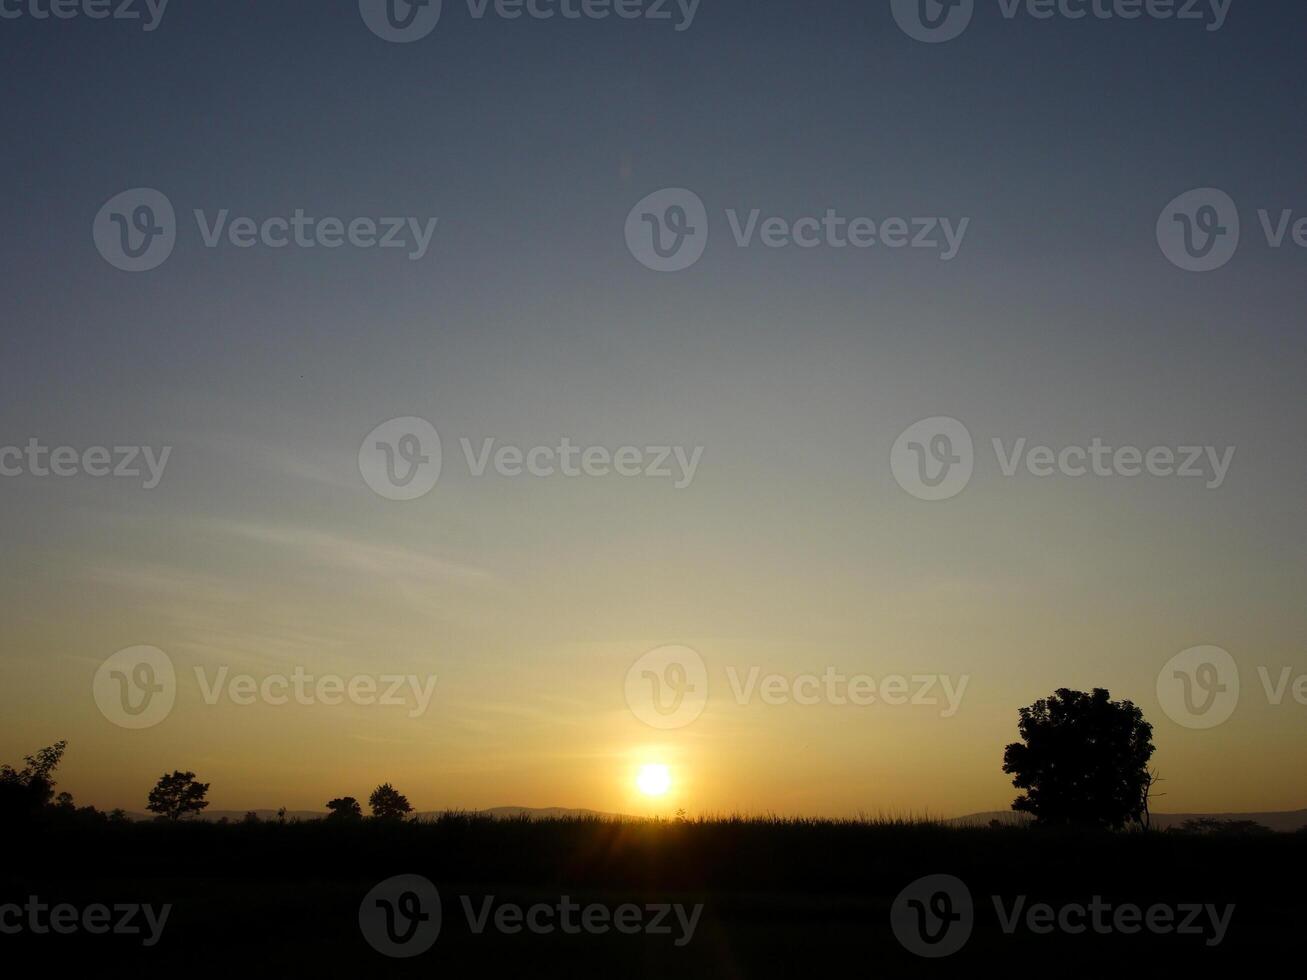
x: 1083, y: 759
x: 178, y: 795
x: 388, y: 803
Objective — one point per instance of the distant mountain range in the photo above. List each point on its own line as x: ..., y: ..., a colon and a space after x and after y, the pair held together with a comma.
x: 1283, y: 821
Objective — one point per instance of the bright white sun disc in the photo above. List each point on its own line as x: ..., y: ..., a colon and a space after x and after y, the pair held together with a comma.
x: 654, y: 780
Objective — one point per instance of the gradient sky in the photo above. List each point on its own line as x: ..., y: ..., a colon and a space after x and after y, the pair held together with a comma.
x: 793, y: 549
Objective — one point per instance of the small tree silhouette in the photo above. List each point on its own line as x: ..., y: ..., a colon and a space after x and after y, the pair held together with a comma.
x: 344, y: 808
x: 178, y: 795
x: 388, y: 803
x: 1083, y: 759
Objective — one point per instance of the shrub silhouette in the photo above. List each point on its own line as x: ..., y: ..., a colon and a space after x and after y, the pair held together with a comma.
x: 178, y: 795
x: 1218, y: 827
x: 388, y: 803
x: 344, y: 808
x: 1083, y: 760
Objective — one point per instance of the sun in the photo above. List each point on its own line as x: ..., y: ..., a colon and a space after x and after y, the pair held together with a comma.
x: 654, y: 780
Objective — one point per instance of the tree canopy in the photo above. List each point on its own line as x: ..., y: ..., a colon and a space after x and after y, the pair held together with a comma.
x: 178, y: 796
x: 388, y: 803
x: 1082, y: 759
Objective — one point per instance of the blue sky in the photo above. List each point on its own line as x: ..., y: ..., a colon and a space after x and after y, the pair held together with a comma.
x: 528, y: 320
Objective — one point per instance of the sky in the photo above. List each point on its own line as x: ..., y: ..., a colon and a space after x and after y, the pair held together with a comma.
x: 766, y: 517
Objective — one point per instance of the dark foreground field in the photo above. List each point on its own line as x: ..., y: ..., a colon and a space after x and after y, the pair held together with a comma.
x: 778, y: 899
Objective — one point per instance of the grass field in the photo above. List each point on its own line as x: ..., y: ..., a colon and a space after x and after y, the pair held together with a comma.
x: 774, y: 897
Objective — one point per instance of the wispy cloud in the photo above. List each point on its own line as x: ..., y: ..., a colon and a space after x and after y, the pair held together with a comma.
x: 364, y: 556
x: 166, y: 580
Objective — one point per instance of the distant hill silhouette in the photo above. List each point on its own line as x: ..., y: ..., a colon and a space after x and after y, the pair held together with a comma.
x: 1283, y: 821
x: 499, y: 813
x: 545, y: 813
